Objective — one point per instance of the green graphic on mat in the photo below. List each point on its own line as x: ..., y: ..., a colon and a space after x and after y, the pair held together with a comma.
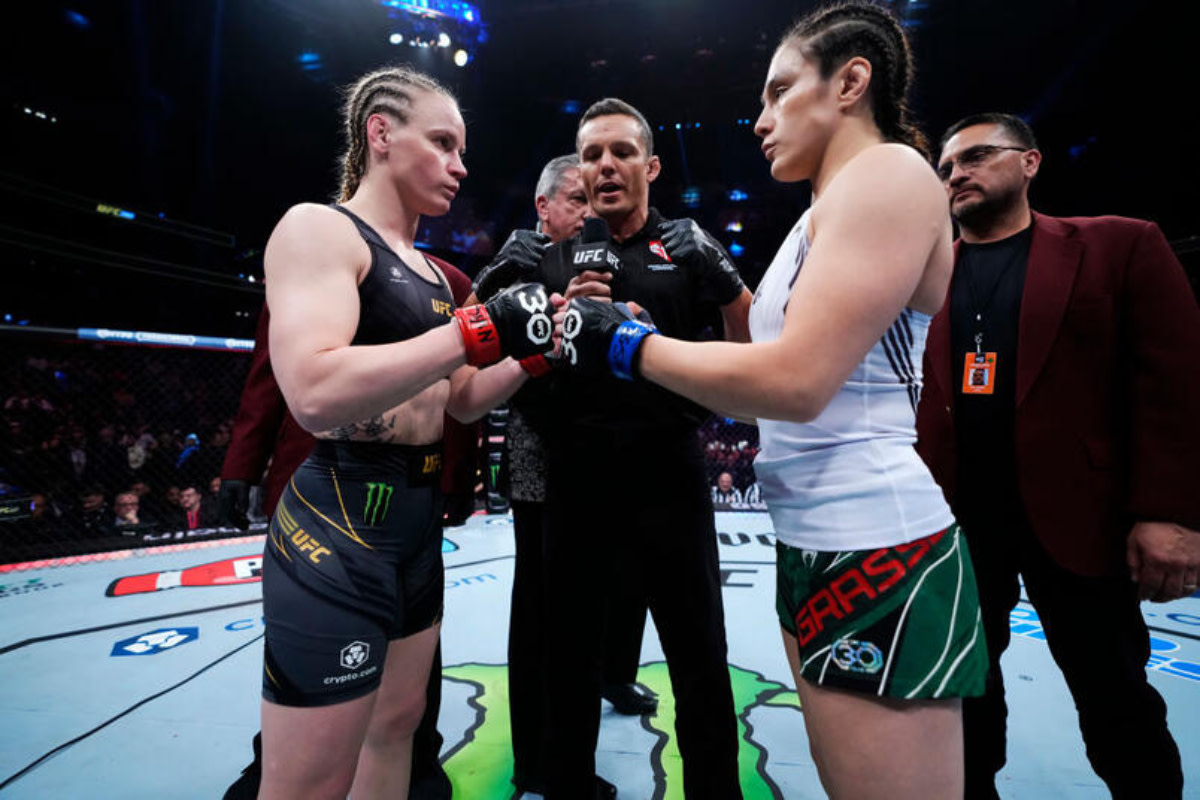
x: 379, y: 500
x: 750, y: 690
x: 480, y: 764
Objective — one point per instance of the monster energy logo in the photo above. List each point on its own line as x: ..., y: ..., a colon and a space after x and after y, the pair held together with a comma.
x: 379, y: 500
x: 495, y: 468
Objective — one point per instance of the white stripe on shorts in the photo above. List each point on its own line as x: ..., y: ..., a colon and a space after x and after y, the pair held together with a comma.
x: 900, y: 625
x: 949, y: 630
x: 970, y: 646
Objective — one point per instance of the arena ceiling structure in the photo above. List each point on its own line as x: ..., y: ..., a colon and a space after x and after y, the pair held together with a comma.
x: 150, y: 146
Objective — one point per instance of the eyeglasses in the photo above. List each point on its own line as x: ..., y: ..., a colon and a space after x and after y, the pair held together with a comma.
x: 972, y: 157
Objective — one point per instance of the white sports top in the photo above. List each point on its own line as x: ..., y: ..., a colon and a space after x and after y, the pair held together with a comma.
x: 850, y: 479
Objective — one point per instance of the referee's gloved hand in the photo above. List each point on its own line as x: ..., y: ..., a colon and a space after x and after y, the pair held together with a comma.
x: 689, y: 244
x: 599, y: 336
x: 514, y: 323
x: 517, y: 262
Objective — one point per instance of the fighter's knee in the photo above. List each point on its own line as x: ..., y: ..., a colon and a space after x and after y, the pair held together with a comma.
x: 397, y: 723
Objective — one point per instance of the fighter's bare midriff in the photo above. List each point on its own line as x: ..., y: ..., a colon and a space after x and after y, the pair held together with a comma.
x: 416, y: 421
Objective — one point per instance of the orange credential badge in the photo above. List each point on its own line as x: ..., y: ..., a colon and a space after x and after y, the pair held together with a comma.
x: 979, y: 373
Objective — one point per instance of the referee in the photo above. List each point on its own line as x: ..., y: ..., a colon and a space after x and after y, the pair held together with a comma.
x: 661, y: 542
x: 561, y: 205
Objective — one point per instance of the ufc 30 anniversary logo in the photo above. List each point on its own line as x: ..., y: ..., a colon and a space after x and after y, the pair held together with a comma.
x: 539, y: 327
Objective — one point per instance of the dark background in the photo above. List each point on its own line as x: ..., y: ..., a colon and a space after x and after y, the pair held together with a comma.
x: 202, y: 112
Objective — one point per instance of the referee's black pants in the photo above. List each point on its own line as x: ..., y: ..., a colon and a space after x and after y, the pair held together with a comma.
x: 635, y: 511
x: 1097, y: 636
x: 528, y: 662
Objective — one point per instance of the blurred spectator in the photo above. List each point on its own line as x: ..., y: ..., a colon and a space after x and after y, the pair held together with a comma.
x: 90, y: 517
x: 109, y: 461
x: 208, y: 460
x: 194, y: 513
x: 40, y: 508
x: 153, y: 504
x: 725, y: 492
x: 167, y: 507
x: 189, y: 456
x: 78, y: 456
x: 129, y: 517
x: 139, y: 453
x: 45, y: 518
x: 126, y: 507
x: 753, y: 494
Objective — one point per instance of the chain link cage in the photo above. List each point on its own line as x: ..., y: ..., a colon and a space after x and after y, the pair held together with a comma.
x: 107, y: 434
x: 104, y: 440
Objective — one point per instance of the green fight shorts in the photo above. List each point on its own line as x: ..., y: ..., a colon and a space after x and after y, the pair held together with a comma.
x: 900, y: 621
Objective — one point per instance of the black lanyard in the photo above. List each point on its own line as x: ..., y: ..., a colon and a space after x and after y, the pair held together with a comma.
x: 977, y: 310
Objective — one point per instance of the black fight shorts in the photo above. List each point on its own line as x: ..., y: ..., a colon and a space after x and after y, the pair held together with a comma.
x: 353, y: 560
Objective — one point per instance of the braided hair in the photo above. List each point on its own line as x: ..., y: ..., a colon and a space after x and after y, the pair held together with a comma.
x: 832, y: 35
x: 384, y: 91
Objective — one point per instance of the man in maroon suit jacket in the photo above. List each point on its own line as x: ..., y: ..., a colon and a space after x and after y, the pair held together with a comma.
x: 1060, y: 416
x: 267, y: 439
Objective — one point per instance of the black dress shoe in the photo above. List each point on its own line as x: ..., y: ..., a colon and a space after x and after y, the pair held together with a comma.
x: 630, y: 699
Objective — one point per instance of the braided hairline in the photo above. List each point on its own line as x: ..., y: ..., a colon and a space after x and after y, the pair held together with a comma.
x: 839, y: 32
x: 363, y: 99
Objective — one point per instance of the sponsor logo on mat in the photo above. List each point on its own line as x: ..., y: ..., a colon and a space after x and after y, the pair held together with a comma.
x: 155, y: 642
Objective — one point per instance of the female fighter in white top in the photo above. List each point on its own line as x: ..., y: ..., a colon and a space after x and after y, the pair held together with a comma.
x: 876, y: 595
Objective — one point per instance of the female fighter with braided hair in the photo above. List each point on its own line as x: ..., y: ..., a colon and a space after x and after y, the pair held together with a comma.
x: 369, y: 353
x: 876, y: 594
